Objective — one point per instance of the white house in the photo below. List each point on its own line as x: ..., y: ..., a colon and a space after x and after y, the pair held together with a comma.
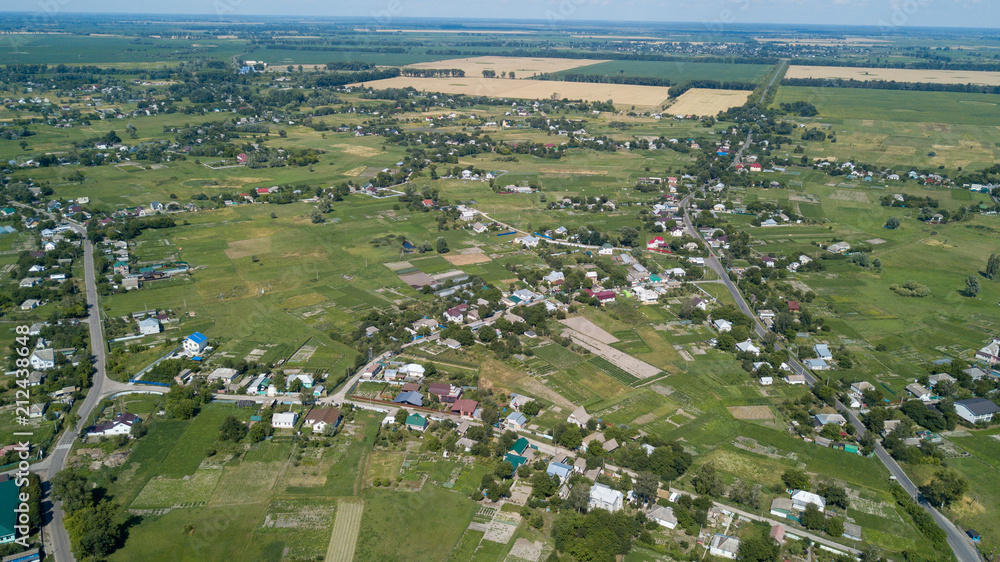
x: 603, y: 497
x: 723, y: 325
x: 319, y: 418
x: 195, y: 343
x: 802, y: 498
x: 149, y: 326
x: 724, y: 546
x: 748, y: 347
x: 223, y: 375
x: 822, y: 351
x: 284, y: 420
x: 664, y: 516
x: 43, y: 359
x: 919, y: 392
x: 121, y: 425
x: 974, y: 410
x: 579, y: 417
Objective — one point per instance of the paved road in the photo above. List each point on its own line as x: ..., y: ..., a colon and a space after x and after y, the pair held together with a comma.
x: 746, y: 143
x: 961, y: 545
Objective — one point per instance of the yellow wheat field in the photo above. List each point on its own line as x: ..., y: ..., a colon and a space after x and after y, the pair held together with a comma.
x: 623, y: 95
x: 897, y: 74
x: 701, y: 101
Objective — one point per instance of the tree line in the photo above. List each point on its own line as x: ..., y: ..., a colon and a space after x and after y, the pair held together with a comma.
x: 890, y: 85
x: 605, y: 79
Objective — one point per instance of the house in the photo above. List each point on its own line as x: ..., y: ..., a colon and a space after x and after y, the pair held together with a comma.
x: 603, y: 497
x: 975, y: 373
x: 518, y: 400
x: 699, y: 303
x: 528, y: 241
x: 30, y: 304
x: 975, y: 410
x: 748, y: 347
x: 852, y: 531
x: 444, y: 392
x: 816, y: 364
x: 611, y: 445
x: 319, y: 418
x: 37, y: 410
x: 604, y: 296
x: 795, y: 379
x: 195, y: 343
x: 802, y: 498
x: 516, y: 420
x: 939, y: 377
x: 410, y: 397
x: 559, y: 470
x: 579, y: 417
x: 860, y: 388
x: 456, y: 313
x: 778, y: 534
x: 412, y: 371
x: 839, y: 248
x: 824, y: 419
x: 464, y: 407
x: 781, y: 507
x: 479, y: 228
x: 793, y: 306
x: 664, y: 516
x: 223, y: 375
x: 555, y: 278
x: 36, y: 378
x: 416, y: 422
x: 284, y: 420
x: 120, y: 425
x: 722, y: 545
x: 149, y: 326
x: 305, y: 379
x: 29, y: 282
x: 722, y: 325
x: 43, y: 359
x: 990, y: 353
x: 766, y: 381
x: 606, y: 250
x: 822, y: 351
x: 919, y: 392
x: 973, y: 534
x: 520, y: 446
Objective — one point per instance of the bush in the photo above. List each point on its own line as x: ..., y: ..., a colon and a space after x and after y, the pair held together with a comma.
x: 910, y: 289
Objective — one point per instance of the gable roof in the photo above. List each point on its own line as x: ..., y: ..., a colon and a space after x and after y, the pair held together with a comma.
x: 325, y: 415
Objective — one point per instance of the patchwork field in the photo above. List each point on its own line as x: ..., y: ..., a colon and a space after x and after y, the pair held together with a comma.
x: 522, y: 67
x: 895, y: 74
x: 623, y: 95
x: 701, y: 101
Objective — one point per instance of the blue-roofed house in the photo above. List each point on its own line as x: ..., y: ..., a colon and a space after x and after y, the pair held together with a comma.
x: 816, y: 364
x: 516, y: 420
x: 559, y: 470
x: 195, y: 343
x: 822, y: 351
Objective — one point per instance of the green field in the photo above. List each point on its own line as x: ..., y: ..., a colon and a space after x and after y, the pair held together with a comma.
x: 676, y: 72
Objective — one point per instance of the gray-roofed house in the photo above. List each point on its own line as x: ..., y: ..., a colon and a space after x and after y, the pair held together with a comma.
x: 411, y: 398
x: 664, y: 516
x: 975, y: 410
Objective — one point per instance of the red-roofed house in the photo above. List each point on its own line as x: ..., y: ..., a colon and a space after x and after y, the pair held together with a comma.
x: 428, y: 202
x: 241, y: 158
x: 263, y: 191
x: 654, y: 243
x: 756, y: 167
x: 793, y: 306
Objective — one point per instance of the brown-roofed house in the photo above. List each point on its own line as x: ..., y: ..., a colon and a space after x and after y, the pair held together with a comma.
x: 464, y: 407
x: 411, y: 387
x: 319, y: 418
x: 445, y: 392
x: 793, y: 306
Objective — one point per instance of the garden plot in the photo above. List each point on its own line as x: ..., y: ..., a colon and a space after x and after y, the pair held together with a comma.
x: 589, y: 329
x: 635, y: 367
x: 524, y: 549
x: 751, y: 412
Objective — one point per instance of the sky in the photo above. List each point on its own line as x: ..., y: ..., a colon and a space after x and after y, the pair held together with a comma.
x: 714, y: 14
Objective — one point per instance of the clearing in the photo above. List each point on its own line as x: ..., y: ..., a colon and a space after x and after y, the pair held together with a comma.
x: 751, y: 412
x: 703, y: 101
x: 467, y: 259
x: 588, y: 328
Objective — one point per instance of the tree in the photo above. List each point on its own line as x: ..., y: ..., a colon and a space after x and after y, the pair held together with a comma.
x: 892, y: 223
x: 645, y: 487
x: 834, y: 495
x: 94, y: 530
x: 504, y: 470
x: 707, y: 481
x: 441, y: 245
x: 993, y: 266
x: 971, y: 286
x: 317, y: 217
x: 401, y: 415
x: 232, y: 430
x: 579, y: 496
x: 758, y: 548
x: 73, y: 489
x: 257, y: 433
x: 834, y: 526
x: 795, y: 479
x: 945, y: 487
x: 812, y: 518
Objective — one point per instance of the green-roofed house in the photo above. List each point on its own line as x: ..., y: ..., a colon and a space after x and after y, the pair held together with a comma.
x: 8, y: 211
x: 416, y: 422
x: 516, y: 460
x: 8, y: 503
x: 255, y: 418
x: 654, y: 278
x: 121, y: 268
x: 519, y: 446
